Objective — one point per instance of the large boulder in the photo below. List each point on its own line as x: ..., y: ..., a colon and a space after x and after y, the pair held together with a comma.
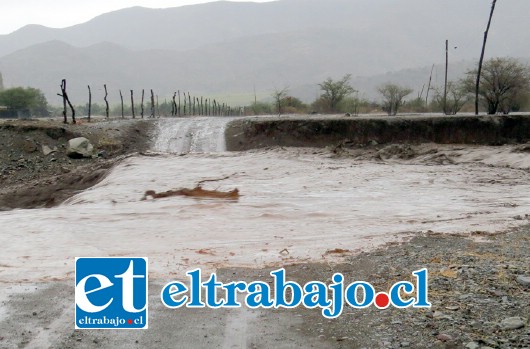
x: 80, y: 148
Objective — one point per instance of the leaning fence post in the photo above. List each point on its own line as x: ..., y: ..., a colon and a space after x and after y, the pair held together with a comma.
x: 122, y: 114
x: 66, y: 100
x: 89, y: 103
x: 106, y: 102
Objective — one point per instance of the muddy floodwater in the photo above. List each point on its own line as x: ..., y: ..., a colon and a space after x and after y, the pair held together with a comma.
x: 296, y: 205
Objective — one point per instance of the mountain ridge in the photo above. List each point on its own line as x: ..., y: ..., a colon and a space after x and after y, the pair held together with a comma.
x: 226, y: 47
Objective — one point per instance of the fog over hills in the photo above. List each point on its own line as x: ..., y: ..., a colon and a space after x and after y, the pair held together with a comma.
x: 228, y: 48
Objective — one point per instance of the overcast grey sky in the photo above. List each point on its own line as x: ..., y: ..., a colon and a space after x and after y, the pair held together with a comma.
x: 63, y: 13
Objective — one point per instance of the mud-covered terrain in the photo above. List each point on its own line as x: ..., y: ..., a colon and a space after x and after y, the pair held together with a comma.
x: 35, y: 170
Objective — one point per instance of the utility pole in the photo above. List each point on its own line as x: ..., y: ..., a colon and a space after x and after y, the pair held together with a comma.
x: 446, y: 70
x: 429, y: 87
x: 477, y: 87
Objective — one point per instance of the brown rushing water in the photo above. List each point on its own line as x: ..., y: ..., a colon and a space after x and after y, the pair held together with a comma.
x: 296, y: 204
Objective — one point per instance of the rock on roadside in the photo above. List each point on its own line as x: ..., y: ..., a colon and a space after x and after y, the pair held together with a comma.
x: 47, y: 150
x: 524, y: 280
x: 512, y: 323
x: 80, y: 148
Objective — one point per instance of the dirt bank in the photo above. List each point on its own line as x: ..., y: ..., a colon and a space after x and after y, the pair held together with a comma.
x: 321, y: 131
x: 35, y: 170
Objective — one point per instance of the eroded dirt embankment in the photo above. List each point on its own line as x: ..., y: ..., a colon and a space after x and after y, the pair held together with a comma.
x: 324, y: 131
x: 35, y: 170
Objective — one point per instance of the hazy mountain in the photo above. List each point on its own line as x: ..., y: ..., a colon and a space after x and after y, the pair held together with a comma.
x: 228, y: 48
x: 187, y: 27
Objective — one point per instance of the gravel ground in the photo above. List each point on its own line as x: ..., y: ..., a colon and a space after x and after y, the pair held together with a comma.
x: 479, y: 288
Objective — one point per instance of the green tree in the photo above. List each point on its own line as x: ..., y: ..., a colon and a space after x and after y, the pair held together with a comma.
x: 1, y: 82
x: 457, y: 96
x: 279, y: 96
x: 354, y: 105
x: 19, y: 98
x: 416, y: 105
x: 393, y: 96
x: 293, y: 105
x: 504, y: 84
x: 97, y: 109
x: 259, y: 108
x: 335, y: 91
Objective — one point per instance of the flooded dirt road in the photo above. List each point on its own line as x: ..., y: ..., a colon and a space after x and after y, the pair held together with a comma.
x: 297, y: 205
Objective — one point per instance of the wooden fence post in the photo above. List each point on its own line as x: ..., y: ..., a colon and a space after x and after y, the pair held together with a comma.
x: 174, y: 105
x: 152, y: 104
x: 66, y: 100
x: 122, y: 114
x: 132, y: 105
x: 89, y: 103
x: 106, y: 101
x: 142, y: 105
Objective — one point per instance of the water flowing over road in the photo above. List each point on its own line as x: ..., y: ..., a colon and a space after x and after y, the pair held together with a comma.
x: 192, y: 135
x: 297, y: 205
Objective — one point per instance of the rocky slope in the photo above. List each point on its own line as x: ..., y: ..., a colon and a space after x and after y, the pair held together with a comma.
x: 35, y: 169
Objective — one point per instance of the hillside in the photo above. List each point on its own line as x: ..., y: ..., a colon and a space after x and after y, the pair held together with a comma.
x: 187, y: 27
x: 228, y: 48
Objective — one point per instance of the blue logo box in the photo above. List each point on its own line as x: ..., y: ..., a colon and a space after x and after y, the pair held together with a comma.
x: 111, y: 293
